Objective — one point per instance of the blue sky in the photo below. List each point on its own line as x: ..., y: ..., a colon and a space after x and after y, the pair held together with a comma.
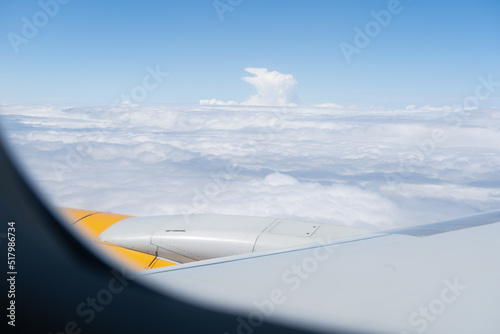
x: 90, y: 52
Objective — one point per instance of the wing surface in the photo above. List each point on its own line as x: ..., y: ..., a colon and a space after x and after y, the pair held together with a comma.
x: 436, y: 278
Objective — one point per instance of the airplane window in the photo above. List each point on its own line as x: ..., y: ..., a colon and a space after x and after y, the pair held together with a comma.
x: 170, y: 133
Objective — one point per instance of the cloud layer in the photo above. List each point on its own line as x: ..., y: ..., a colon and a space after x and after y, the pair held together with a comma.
x: 368, y: 168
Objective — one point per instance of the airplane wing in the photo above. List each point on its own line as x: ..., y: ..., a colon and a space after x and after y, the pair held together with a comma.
x: 436, y: 278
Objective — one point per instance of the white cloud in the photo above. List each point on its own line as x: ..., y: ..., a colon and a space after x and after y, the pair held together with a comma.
x: 328, y: 105
x: 378, y: 168
x: 214, y: 102
x: 281, y: 195
x: 273, y: 88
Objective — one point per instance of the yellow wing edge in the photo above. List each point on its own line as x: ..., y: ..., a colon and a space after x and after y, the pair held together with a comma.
x: 92, y: 223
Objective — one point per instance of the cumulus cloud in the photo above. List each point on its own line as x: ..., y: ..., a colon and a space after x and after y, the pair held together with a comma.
x: 273, y: 89
x: 374, y: 168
